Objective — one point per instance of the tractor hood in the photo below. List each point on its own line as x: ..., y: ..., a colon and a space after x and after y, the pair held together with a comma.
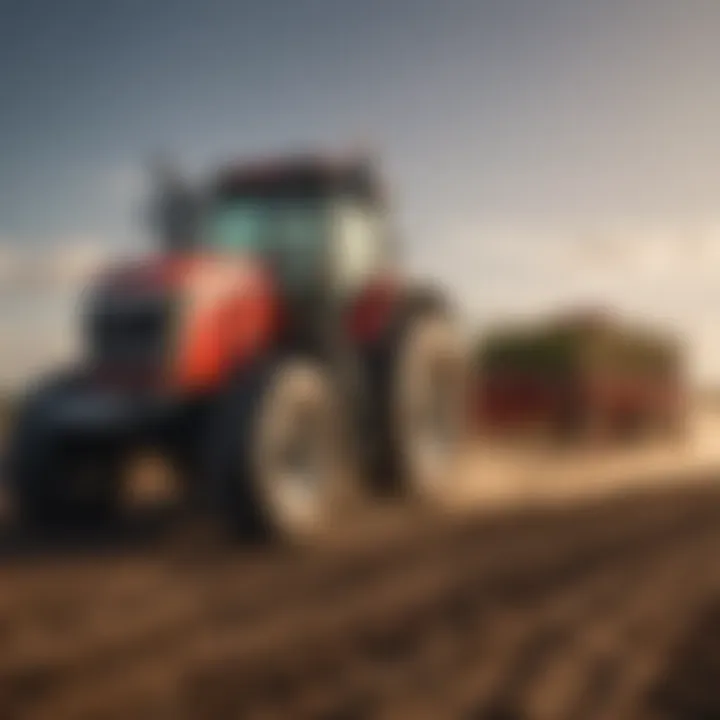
x: 189, y: 276
x: 180, y: 319
x: 155, y: 272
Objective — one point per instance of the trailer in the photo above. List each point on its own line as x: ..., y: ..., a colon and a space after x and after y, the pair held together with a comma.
x: 582, y: 376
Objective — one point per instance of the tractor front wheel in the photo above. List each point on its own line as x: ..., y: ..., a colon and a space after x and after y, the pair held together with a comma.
x: 279, y: 453
x: 58, y: 484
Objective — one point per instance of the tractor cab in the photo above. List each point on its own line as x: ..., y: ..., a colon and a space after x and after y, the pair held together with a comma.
x: 320, y: 226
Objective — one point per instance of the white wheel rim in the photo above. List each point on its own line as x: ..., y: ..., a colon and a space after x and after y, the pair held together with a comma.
x: 292, y: 461
x: 430, y: 439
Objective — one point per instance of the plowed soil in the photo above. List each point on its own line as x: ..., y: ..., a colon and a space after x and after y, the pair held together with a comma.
x: 607, y: 610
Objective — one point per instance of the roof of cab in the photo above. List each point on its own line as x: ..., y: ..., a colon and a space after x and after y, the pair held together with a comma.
x: 300, y: 173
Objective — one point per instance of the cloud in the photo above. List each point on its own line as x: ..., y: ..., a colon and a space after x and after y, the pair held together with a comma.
x: 67, y: 264
x: 630, y: 252
x: 7, y: 262
x: 77, y: 262
x: 40, y: 288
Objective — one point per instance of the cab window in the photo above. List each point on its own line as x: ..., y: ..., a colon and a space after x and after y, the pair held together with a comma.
x: 288, y: 233
x: 359, y: 247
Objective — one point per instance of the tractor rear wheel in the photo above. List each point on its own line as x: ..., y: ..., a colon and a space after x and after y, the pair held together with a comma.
x: 426, y: 408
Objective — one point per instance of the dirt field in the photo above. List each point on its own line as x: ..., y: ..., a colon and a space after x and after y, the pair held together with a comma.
x: 609, y: 610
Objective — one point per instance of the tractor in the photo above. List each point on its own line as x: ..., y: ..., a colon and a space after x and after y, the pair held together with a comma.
x: 269, y: 348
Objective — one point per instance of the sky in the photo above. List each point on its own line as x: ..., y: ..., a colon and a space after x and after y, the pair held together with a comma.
x: 540, y: 152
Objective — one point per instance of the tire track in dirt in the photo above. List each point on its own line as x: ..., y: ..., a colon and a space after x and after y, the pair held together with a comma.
x: 536, y: 615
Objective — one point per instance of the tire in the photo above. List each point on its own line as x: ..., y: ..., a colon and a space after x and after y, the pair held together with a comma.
x: 277, y: 457
x: 56, y: 483
x: 425, y: 406
x: 71, y: 491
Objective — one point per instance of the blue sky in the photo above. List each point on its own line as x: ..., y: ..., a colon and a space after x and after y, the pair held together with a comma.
x: 515, y: 108
x: 580, y: 127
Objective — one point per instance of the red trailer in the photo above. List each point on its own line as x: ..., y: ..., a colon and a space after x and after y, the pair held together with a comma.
x: 585, y: 375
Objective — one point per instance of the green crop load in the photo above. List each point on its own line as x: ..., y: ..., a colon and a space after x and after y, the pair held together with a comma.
x: 578, y: 347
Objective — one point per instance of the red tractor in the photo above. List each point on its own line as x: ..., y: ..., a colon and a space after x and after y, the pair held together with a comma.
x: 270, y: 350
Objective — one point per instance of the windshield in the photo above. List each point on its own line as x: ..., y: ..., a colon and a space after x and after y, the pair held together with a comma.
x: 288, y: 232
x: 264, y: 225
